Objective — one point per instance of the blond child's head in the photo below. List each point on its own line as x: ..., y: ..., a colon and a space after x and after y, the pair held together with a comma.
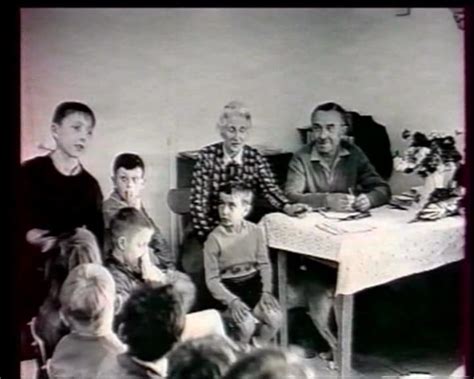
x: 235, y: 202
x: 87, y: 299
x: 131, y: 234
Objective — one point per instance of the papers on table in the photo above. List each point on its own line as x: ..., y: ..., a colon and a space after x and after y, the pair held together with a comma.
x: 336, y: 228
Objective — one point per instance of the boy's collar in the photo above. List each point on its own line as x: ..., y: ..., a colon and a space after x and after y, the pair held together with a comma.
x: 159, y: 367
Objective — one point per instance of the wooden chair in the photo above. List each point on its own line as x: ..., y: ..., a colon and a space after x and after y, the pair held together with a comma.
x: 178, y: 202
x: 42, y: 359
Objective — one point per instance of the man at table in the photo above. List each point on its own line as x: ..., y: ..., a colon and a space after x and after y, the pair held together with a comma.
x: 333, y: 173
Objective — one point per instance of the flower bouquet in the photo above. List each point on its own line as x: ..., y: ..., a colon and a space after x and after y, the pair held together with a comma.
x: 436, y: 159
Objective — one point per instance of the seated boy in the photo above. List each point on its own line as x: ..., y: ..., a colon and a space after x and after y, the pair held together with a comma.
x: 152, y: 322
x: 130, y: 261
x: 79, y: 248
x: 58, y: 195
x: 238, y: 270
x: 87, y: 301
x: 130, y: 265
x: 202, y: 358
x: 129, y: 180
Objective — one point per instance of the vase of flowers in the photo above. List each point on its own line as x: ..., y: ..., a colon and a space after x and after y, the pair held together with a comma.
x: 434, y: 158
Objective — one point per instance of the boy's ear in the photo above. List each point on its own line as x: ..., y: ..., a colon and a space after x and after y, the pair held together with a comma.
x: 121, y: 242
x: 247, y: 208
x: 63, y: 318
x: 54, y: 130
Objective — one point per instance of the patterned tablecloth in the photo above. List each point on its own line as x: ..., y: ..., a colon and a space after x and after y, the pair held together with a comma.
x: 392, y: 249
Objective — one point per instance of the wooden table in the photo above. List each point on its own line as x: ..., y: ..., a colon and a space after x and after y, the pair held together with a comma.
x: 367, y: 253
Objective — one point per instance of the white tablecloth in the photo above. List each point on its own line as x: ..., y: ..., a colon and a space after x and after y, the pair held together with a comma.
x: 393, y: 249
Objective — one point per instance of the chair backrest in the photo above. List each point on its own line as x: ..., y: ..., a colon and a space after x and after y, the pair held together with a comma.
x: 38, y: 342
x: 179, y: 200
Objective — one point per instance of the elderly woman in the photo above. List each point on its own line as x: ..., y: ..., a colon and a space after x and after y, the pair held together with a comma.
x: 219, y: 163
x: 228, y: 160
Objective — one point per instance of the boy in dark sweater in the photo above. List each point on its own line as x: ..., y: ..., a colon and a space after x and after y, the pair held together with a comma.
x: 58, y: 196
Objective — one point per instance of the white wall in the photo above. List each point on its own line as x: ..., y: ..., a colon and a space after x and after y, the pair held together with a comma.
x: 158, y: 78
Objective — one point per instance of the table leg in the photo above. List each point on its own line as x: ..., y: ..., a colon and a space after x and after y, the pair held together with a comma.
x: 344, y: 307
x: 282, y: 296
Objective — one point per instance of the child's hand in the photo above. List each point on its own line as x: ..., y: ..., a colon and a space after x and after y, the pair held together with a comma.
x: 150, y: 272
x: 239, y: 310
x: 269, y: 303
x: 42, y: 239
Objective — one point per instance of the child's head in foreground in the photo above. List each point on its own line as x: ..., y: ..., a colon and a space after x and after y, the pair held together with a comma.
x: 131, y: 233
x: 202, y: 358
x: 270, y: 364
x: 235, y: 202
x: 87, y: 299
x: 128, y: 176
x: 72, y: 127
x: 152, y: 321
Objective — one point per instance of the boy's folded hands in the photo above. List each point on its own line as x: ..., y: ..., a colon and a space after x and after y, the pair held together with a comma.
x: 239, y: 310
x: 269, y: 303
x: 150, y: 272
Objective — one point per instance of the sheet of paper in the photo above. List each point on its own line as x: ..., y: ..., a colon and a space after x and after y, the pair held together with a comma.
x: 337, y: 215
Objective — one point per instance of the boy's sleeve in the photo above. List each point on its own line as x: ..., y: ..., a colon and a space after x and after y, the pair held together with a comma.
x: 162, y: 250
x: 123, y: 288
x: 212, y: 272
x: 263, y: 260
x: 95, y: 217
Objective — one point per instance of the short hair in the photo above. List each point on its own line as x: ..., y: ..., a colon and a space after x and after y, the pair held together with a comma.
x: 331, y: 106
x: 233, y: 108
x: 202, y: 358
x: 270, y: 363
x: 128, y: 220
x: 151, y: 321
x: 79, y: 248
x: 68, y: 107
x: 128, y: 161
x: 239, y: 189
x: 87, y: 294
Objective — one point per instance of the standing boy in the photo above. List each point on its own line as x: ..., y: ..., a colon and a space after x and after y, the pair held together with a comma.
x: 58, y: 196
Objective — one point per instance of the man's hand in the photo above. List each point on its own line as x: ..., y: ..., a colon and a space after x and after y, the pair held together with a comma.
x: 362, y: 203
x: 297, y: 209
x: 340, y: 202
x: 150, y: 272
x: 42, y: 239
x: 239, y: 310
x: 269, y: 303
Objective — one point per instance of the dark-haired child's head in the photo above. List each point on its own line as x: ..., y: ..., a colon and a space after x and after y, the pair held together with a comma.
x: 129, y: 176
x: 131, y: 233
x: 202, y: 358
x: 235, y: 202
x: 270, y: 364
x: 72, y: 127
x: 152, y: 321
x: 87, y: 299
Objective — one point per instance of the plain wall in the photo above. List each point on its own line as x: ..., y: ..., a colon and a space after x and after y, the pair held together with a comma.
x: 158, y: 78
